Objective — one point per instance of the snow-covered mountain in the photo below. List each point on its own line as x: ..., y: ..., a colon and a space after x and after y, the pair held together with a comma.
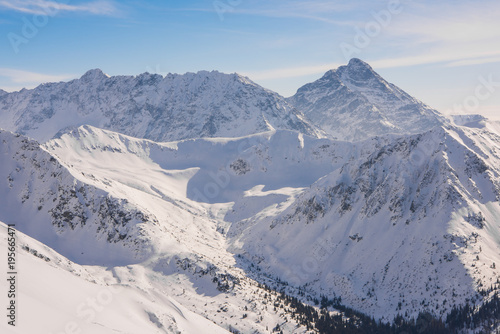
x: 156, y: 216
x: 248, y: 233
x: 174, y: 107
x: 392, y: 225
x: 84, y: 222
x: 354, y: 103
x: 349, y: 103
x: 120, y: 207
x: 407, y: 224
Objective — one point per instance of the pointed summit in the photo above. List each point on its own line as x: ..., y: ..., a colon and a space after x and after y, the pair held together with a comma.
x: 358, y: 63
x: 94, y: 74
x: 358, y: 70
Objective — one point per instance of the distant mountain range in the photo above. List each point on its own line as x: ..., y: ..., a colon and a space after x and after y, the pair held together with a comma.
x: 350, y: 103
x: 174, y: 107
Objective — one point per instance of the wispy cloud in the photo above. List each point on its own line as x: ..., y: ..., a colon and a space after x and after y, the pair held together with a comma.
x: 291, y: 72
x: 317, y: 10
x: 273, y: 13
x: 465, y: 32
x: 289, y: 14
x: 458, y: 21
x: 474, y: 61
x: 47, y: 7
x: 450, y: 59
x: 24, y: 79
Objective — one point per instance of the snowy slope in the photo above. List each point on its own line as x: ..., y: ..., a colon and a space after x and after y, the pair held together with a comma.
x: 193, y: 105
x: 84, y: 222
x: 354, y: 103
x: 56, y: 295
x: 412, y: 224
x: 216, y: 171
x: 179, y: 251
x: 436, y: 194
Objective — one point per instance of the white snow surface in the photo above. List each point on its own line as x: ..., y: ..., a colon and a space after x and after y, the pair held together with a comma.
x: 56, y: 295
x: 137, y: 224
x: 411, y: 220
x: 389, y: 220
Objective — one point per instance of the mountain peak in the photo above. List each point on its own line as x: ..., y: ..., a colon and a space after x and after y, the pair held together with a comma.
x: 357, y: 63
x: 93, y: 74
x: 373, y: 105
x: 358, y: 70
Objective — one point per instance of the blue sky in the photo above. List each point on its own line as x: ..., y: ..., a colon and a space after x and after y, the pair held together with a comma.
x: 445, y: 53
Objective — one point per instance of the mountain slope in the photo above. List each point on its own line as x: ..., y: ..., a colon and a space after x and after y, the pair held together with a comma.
x: 60, y: 296
x: 84, y: 222
x: 408, y: 226
x: 354, y: 103
x: 183, y: 247
x: 174, y: 107
x: 381, y: 215
x: 402, y: 222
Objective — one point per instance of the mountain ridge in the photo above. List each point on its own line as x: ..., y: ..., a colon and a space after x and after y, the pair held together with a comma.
x: 174, y: 107
x: 349, y: 103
